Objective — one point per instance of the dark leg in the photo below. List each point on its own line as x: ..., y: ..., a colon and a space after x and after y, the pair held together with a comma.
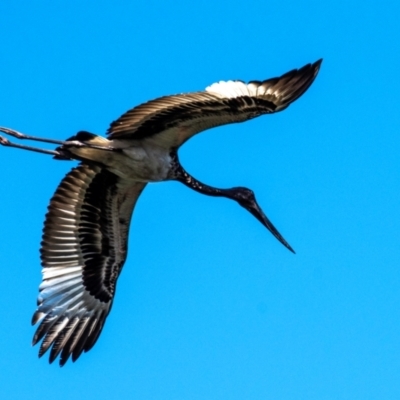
x: 6, y: 142
x: 58, y: 154
x: 20, y: 135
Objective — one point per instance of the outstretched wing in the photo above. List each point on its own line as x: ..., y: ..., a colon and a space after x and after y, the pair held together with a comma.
x: 172, y: 120
x: 83, y: 250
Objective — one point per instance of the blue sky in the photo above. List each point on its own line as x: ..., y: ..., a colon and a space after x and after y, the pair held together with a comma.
x: 209, y: 304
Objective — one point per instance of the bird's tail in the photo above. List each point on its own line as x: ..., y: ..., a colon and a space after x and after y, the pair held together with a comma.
x: 83, y: 146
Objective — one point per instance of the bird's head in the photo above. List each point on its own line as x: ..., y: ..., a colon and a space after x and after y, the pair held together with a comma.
x: 246, y: 198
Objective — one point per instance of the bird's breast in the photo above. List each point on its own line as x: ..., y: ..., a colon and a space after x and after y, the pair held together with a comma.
x: 143, y: 163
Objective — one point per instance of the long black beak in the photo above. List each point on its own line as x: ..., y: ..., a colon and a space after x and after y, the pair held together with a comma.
x: 256, y: 210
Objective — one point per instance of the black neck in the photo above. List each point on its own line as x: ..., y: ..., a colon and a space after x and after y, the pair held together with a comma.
x: 184, y: 177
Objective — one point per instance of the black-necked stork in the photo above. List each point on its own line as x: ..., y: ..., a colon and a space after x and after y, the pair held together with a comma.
x: 86, y: 229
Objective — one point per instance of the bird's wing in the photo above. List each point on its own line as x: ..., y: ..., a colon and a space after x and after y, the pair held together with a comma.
x: 172, y: 120
x: 83, y: 250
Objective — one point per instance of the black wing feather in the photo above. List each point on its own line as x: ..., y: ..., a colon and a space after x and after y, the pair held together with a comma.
x: 171, y: 120
x: 83, y: 250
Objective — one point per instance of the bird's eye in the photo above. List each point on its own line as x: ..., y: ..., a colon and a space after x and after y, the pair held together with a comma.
x: 248, y: 194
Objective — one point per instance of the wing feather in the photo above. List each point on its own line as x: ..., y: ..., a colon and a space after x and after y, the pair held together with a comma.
x: 83, y: 250
x: 171, y: 120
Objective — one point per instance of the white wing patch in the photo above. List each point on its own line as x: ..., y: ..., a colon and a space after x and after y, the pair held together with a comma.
x: 230, y: 89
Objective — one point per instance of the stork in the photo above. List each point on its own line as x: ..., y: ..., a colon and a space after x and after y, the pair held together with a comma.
x: 85, y: 234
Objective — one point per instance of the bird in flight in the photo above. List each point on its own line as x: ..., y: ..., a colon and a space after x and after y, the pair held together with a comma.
x: 85, y: 234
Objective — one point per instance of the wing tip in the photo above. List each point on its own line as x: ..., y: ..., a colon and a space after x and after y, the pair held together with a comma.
x: 316, y: 66
x: 294, y: 84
